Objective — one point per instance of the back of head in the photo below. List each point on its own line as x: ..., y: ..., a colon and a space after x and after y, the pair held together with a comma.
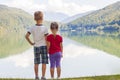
x: 38, y: 15
x: 54, y: 25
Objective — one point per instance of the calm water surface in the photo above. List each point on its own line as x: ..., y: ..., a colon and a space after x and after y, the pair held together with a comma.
x: 79, y: 60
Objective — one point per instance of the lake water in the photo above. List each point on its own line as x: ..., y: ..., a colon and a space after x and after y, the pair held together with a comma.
x: 78, y: 61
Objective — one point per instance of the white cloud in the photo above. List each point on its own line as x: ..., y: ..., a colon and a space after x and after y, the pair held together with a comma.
x: 27, y: 5
x: 69, y: 8
x: 22, y: 60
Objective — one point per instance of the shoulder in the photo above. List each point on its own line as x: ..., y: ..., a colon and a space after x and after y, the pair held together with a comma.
x: 50, y: 35
x: 31, y: 28
x: 59, y: 36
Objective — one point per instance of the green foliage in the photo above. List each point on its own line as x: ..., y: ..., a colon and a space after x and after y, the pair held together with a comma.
x: 13, y: 25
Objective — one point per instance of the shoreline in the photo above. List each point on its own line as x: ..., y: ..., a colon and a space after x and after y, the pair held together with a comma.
x: 104, y: 77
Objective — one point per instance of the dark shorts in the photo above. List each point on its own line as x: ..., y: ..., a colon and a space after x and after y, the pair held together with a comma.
x: 55, y: 59
x: 40, y: 55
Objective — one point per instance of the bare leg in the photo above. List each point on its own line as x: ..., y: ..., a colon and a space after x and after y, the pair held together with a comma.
x: 43, y: 70
x: 58, y: 72
x: 36, y: 69
x: 52, y: 72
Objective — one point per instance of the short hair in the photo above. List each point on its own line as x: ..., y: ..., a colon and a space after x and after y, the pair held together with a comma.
x: 38, y: 15
x: 54, y: 25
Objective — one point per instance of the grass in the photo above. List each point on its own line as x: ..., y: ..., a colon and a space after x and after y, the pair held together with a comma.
x: 107, y: 44
x: 109, y: 77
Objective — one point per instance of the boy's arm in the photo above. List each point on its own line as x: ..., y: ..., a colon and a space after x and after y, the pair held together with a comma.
x: 46, y: 37
x: 61, y: 46
x: 48, y: 46
x: 27, y: 36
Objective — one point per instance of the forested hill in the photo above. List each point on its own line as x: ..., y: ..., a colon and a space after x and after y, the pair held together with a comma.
x: 14, y: 17
x: 106, y: 18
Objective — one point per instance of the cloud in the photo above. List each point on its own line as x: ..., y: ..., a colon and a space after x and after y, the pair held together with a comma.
x: 24, y: 59
x: 69, y: 8
x: 27, y: 5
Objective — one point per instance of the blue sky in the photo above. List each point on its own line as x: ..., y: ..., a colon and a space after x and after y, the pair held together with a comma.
x: 69, y: 7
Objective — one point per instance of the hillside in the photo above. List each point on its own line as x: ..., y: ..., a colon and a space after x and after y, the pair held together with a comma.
x: 13, y: 24
x: 99, y: 29
x: 107, y: 18
x: 72, y: 18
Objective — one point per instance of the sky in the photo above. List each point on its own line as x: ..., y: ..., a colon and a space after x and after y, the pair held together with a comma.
x: 69, y: 7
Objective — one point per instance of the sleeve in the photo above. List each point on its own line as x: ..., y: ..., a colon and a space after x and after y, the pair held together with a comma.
x: 30, y: 30
x: 48, y: 38
x: 61, y: 39
x: 46, y: 31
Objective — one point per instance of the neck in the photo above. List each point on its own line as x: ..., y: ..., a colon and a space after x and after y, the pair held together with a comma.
x: 39, y: 22
x: 54, y: 34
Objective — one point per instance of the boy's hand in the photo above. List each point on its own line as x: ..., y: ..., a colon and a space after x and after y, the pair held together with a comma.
x: 32, y: 44
x: 28, y: 39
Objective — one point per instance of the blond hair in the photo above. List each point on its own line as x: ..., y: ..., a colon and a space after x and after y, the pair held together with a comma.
x: 38, y: 15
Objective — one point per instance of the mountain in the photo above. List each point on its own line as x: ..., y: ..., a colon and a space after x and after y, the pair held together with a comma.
x: 13, y: 24
x: 72, y: 18
x: 14, y: 17
x: 52, y: 16
x: 107, y: 18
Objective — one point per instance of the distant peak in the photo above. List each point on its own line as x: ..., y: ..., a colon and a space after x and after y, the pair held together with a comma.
x: 1, y: 5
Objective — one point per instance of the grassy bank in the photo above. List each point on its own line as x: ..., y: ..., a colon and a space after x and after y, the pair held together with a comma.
x: 111, y: 77
x: 107, y: 44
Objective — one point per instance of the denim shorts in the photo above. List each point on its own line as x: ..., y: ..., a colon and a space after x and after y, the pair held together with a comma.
x: 40, y: 55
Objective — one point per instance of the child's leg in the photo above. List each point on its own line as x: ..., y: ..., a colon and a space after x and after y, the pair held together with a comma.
x: 52, y: 72
x: 58, y: 65
x: 43, y: 70
x: 58, y: 72
x: 36, y: 69
x: 36, y: 60
x: 44, y: 60
x: 52, y: 65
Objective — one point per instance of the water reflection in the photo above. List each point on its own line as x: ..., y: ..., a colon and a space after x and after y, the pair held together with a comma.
x: 108, y: 41
x: 106, y: 33
x: 79, y: 60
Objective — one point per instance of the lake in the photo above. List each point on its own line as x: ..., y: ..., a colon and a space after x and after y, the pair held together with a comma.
x: 79, y: 60
x: 107, y: 41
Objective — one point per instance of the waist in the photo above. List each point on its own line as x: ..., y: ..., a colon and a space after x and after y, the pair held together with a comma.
x: 55, y: 51
x: 39, y: 45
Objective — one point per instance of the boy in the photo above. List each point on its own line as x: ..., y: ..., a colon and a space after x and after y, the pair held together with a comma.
x: 39, y: 33
x: 55, y: 50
